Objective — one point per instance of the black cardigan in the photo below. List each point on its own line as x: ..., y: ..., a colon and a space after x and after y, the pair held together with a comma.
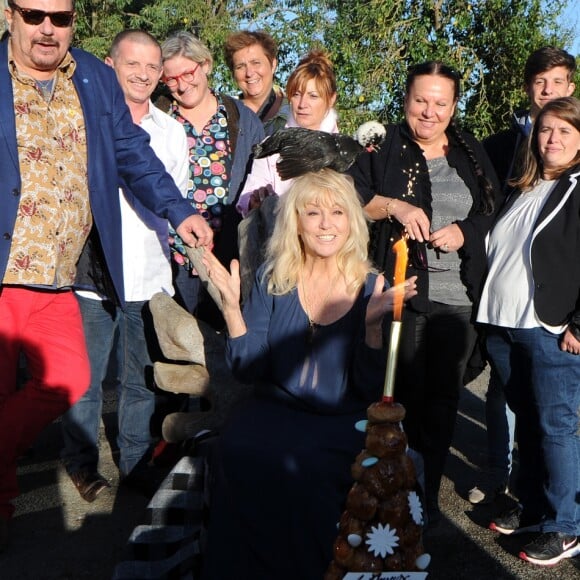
x: 555, y: 253
x: 386, y: 172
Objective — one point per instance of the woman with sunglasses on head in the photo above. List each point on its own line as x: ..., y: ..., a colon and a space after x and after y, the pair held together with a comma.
x: 221, y: 132
x: 531, y: 304
x: 311, y: 90
x: 435, y: 184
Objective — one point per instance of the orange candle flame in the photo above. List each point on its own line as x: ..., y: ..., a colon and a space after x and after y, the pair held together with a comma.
x: 402, y: 256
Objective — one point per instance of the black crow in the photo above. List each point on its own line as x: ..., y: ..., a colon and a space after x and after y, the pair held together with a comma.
x: 303, y: 150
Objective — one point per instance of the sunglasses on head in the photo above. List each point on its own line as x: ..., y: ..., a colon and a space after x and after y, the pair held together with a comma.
x: 61, y: 19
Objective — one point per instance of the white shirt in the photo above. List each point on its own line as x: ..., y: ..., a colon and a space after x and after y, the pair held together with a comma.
x: 146, y: 257
x: 507, y: 299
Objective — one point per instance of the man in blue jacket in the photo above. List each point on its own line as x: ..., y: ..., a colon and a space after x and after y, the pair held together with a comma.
x: 67, y: 138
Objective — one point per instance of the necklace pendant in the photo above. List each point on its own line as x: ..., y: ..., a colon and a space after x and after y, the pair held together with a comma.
x: 310, y: 332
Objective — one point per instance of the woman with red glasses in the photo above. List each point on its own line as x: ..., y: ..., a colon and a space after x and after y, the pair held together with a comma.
x: 220, y: 132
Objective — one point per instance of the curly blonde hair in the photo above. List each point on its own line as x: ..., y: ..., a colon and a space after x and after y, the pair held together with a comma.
x: 285, y: 253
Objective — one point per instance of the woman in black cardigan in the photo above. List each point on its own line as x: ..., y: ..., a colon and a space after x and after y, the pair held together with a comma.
x: 531, y: 304
x: 435, y: 184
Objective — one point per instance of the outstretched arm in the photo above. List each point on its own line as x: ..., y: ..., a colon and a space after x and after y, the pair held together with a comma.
x: 195, y: 231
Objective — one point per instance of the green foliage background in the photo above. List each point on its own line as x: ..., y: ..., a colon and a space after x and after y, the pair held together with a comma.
x: 371, y: 42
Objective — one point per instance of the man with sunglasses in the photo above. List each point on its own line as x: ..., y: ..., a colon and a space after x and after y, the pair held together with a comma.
x: 67, y: 140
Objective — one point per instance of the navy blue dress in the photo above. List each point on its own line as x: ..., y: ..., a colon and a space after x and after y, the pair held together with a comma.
x: 282, y: 467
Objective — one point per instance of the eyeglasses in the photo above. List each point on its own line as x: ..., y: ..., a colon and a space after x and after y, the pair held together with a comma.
x: 187, y: 76
x: 418, y: 257
x: 61, y: 19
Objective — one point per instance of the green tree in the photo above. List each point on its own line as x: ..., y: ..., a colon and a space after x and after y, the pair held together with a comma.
x: 503, y: 36
x: 296, y: 23
x: 372, y: 43
x: 488, y: 41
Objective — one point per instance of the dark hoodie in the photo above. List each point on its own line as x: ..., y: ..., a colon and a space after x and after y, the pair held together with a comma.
x: 503, y: 147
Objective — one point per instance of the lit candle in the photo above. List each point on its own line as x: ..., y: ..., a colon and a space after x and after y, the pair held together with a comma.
x: 400, y: 249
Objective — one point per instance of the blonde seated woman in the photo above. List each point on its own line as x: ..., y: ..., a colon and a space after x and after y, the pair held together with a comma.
x: 310, y: 337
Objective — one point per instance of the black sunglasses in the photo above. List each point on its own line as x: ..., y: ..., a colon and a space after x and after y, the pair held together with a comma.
x: 418, y: 257
x: 61, y: 19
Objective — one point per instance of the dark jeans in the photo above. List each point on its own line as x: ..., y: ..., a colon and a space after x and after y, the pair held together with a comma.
x: 542, y: 385
x: 501, y: 422
x: 136, y: 399
x: 433, y: 355
x: 187, y: 288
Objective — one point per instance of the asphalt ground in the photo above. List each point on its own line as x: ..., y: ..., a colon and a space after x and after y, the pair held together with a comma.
x: 57, y: 536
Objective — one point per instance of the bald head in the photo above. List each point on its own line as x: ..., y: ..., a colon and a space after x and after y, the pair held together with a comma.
x: 136, y: 36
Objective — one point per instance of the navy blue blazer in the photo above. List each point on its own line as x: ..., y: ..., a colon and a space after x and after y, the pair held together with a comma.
x: 116, y: 148
x: 555, y: 253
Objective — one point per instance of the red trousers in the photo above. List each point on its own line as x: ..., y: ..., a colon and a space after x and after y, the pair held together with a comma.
x: 47, y: 328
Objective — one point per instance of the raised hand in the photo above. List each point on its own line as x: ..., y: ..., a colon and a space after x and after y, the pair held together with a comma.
x: 228, y: 284
x: 381, y: 302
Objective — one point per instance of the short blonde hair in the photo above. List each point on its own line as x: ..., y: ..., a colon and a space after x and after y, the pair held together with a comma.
x: 285, y: 252
x: 187, y: 45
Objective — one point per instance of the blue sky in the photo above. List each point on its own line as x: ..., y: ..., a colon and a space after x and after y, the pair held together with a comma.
x: 571, y: 17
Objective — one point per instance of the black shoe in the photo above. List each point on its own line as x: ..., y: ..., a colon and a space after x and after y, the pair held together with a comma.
x: 145, y: 480
x: 514, y: 521
x: 549, y: 548
x: 89, y: 484
x: 4, y: 533
x: 434, y: 516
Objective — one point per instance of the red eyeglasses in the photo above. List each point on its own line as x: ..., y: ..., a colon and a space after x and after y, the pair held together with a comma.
x: 62, y: 19
x: 187, y: 76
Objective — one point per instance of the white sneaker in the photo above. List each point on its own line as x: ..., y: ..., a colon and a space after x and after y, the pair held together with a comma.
x: 476, y: 496
x: 484, y: 496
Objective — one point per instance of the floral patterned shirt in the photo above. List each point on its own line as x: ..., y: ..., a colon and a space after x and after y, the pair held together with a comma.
x: 210, y: 166
x: 54, y: 217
